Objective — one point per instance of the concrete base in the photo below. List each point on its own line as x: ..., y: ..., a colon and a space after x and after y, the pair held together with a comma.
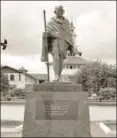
x: 56, y: 110
x: 96, y: 131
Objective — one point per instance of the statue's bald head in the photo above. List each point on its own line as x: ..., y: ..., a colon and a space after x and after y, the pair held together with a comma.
x: 59, y: 10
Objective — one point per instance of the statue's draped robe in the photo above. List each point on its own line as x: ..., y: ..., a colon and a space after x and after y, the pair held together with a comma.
x: 59, y: 30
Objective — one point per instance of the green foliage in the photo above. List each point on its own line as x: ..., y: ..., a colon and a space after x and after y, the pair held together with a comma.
x: 111, y: 82
x: 108, y: 93
x: 19, y: 93
x: 96, y: 75
x: 9, y: 92
x: 4, y: 86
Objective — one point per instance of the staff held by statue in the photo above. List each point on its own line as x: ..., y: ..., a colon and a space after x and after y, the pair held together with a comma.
x: 46, y: 43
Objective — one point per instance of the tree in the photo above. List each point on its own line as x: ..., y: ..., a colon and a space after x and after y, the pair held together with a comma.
x: 96, y: 75
x: 19, y: 93
x: 4, y: 85
x: 108, y: 93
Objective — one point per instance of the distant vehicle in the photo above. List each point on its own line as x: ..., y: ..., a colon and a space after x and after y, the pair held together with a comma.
x: 94, y: 95
x: 92, y: 98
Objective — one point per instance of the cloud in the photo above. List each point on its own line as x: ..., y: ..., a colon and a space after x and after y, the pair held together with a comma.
x: 22, y: 24
x: 31, y: 63
x: 96, y: 34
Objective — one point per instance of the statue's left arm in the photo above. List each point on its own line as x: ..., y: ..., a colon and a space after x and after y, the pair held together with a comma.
x: 69, y: 29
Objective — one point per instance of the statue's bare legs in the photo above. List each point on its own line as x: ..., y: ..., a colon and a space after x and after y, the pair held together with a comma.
x: 57, y: 65
x: 61, y: 65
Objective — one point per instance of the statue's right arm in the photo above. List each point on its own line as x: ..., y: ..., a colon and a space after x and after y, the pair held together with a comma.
x: 49, y: 28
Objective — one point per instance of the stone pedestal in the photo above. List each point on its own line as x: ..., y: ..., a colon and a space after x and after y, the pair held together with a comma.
x: 56, y: 110
x: 51, y: 72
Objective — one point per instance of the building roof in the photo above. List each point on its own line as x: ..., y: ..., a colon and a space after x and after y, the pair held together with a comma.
x: 23, y: 69
x: 11, y: 68
x: 19, y: 71
x: 75, y: 60
x: 40, y: 76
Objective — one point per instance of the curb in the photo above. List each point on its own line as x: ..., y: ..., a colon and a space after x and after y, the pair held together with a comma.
x: 17, y: 129
x: 106, y: 129
x: 11, y: 122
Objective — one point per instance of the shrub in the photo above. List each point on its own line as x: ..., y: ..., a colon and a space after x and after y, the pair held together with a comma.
x: 4, y: 87
x: 96, y: 75
x: 107, y: 93
x: 19, y: 93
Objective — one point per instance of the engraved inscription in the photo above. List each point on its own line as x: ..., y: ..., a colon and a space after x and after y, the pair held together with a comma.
x: 56, y: 110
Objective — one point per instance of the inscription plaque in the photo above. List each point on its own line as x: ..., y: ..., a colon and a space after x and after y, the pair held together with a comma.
x: 56, y: 110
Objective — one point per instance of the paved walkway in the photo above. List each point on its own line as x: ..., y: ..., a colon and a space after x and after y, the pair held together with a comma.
x: 96, y: 131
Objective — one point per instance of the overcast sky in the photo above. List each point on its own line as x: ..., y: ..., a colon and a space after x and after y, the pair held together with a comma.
x: 22, y: 25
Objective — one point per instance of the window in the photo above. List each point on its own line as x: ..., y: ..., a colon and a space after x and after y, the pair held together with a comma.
x: 41, y: 81
x: 19, y: 77
x: 26, y: 79
x: 12, y: 77
x: 71, y: 67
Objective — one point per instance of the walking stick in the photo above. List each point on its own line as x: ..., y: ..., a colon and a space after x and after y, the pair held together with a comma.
x: 44, y: 13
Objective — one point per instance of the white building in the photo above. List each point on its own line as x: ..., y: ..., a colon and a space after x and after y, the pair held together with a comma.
x: 71, y: 66
x: 19, y: 77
